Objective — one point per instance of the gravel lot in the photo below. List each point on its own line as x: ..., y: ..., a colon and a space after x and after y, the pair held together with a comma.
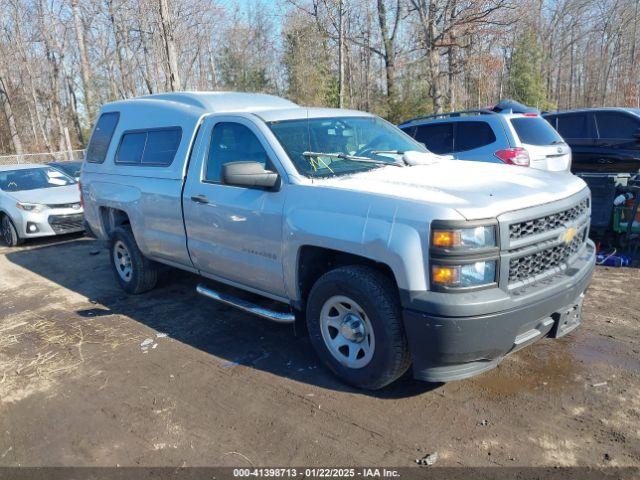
x: 91, y: 376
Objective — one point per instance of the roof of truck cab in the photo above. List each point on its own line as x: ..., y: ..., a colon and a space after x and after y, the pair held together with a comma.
x: 198, y: 103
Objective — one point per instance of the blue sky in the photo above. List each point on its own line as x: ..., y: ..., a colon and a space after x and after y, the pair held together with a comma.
x: 247, y: 3
x: 278, y: 8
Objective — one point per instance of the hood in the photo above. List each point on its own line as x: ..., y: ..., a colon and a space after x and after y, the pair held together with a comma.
x: 475, y: 189
x: 48, y: 196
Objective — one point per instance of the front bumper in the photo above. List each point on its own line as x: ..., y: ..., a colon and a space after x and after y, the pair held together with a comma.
x: 51, y: 221
x: 451, y: 347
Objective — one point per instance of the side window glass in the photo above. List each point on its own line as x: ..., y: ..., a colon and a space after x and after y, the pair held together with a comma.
x: 552, y: 121
x: 101, y: 138
x: 411, y: 131
x: 470, y: 135
x: 162, y: 146
x: 131, y: 148
x: 149, y: 147
x: 232, y: 142
x: 437, y: 137
x: 573, y: 126
x: 616, y: 125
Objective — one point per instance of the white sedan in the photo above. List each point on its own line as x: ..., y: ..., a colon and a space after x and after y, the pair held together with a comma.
x: 37, y: 201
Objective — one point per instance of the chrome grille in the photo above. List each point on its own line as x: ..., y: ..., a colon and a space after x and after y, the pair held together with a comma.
x: 527, y: 266
x: 547, y: 223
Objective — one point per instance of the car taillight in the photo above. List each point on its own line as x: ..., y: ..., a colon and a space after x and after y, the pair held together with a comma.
x: 81, y: 199
x: 514, y: 156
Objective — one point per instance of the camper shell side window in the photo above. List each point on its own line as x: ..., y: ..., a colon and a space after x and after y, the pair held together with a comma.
x: 149, y: 147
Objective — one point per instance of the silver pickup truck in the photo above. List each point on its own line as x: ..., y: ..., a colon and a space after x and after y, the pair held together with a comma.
x: 393, y: 257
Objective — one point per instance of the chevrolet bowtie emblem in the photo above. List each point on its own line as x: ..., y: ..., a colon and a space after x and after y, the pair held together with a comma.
x: 569, y: 234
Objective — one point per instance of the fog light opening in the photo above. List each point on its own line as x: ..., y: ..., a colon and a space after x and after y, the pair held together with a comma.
x: 32, y: 227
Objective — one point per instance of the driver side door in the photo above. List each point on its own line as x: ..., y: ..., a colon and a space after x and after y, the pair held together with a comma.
x: 234, y: 233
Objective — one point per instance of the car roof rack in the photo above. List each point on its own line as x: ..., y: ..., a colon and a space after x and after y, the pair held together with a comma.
x: 482, y: 111
x: 506, y: 106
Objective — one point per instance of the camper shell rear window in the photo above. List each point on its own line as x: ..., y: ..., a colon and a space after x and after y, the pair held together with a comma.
x: 149, y: 147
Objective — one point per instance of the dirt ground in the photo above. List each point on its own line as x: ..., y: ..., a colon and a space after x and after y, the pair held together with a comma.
x: 90, y: 376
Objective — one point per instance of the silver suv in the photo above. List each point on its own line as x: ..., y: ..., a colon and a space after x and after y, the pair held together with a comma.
x: 509, y: 133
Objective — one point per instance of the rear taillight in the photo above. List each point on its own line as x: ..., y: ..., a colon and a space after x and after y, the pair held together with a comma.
x: 514, y: 156
x: 81, y: 199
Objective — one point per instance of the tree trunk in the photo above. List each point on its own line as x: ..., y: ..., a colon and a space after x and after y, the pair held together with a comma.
x: 74, y: 110
x: 8, y: 113
x: 126, y: 86
x: 632, y: 57
x: 24, y: 58
x: 85, y: 70
x: 427, y: 16
x: 169, y: 45
x: 341, y: 54
x: 389, y: 57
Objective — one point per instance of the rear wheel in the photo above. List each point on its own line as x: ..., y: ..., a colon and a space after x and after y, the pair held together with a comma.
x: 355, y: 325
x: 134, y: 272
x: 9, y: 232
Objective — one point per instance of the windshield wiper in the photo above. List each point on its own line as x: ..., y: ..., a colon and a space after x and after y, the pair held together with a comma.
x: 390, y: 152
x: 557, y: 142
x: 353, y: 158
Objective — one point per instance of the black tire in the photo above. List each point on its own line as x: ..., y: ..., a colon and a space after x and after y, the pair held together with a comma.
x: 376, y: 295
x: 9, y: 231
x: 143, y: 273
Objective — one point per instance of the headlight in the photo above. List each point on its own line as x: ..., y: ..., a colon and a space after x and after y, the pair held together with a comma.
x: 463, y: 275
x: 464, y: 238
x: 31, y: 207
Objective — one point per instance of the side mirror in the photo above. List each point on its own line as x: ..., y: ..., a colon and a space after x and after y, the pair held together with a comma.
x: 249, y: 174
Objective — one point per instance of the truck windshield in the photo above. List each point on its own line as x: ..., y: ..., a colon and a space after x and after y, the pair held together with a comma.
x: 339, y: 138
x: 33, y: 179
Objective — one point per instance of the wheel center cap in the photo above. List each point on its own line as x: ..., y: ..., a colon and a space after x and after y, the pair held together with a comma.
x: 352, y: 328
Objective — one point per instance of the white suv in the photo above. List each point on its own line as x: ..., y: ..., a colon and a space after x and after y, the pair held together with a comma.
x: 510, y: 133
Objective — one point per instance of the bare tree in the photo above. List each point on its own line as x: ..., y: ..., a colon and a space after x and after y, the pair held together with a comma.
x: 5, y: 99
x: 85, y: 69
x: 61, y: 59
x: 166, y: 28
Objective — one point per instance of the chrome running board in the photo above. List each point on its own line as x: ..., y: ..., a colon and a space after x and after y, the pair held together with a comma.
x: 245, y: 306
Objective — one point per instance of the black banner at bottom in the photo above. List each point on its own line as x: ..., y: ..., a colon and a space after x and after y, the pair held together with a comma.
x: 405, y: 473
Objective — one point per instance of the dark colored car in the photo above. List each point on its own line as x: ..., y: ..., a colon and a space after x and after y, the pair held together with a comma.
x: 602, y: 140
x: 71, y: 168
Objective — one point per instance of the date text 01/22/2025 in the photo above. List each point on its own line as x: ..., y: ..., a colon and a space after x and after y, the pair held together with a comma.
x: 316, y: 472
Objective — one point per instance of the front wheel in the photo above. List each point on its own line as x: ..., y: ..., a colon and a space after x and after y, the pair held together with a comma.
x: 9, y: 232
x: 134, y: 272
x: 355, y: 325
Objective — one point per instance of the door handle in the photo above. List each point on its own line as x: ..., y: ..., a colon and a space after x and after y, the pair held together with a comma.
x: 200, y: 199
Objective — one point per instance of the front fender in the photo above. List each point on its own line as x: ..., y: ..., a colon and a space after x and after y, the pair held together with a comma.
x: 388, y: 232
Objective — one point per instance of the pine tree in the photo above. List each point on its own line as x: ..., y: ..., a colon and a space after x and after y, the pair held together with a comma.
x: 306, y: 61
x: 526, y: 82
